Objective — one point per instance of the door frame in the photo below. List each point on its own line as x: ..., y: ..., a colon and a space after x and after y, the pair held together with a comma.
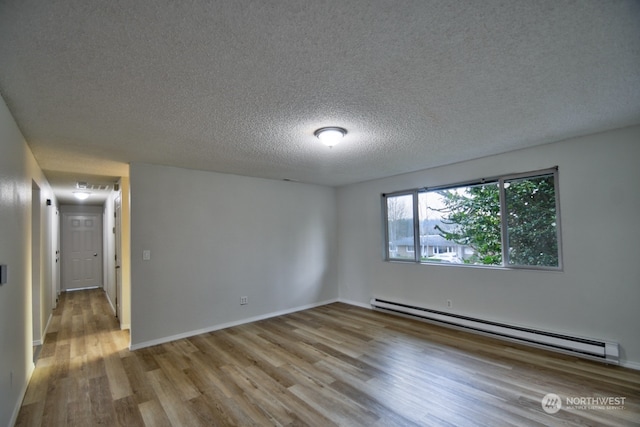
x: 67, y: 210
x: 117, y: 210
x: 36, y: 265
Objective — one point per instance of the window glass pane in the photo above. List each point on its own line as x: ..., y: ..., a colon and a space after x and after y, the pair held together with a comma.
x: 400, y: 227
x: 532, y: 236
x: 461, y: 225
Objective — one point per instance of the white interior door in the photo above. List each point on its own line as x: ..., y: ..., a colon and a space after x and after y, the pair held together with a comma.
x: 81, y: 250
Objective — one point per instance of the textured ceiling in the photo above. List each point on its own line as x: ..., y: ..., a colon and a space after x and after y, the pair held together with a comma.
x: 240, y: 86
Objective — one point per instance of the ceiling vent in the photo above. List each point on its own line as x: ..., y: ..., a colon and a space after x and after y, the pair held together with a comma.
x: 81, y: 185
x: 102, y: 187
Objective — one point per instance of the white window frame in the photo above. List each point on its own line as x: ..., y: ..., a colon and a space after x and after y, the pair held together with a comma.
x: 385, y: 221
x: 500, y: 180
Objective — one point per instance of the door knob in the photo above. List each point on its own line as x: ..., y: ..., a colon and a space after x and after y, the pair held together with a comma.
x: 95, y: 254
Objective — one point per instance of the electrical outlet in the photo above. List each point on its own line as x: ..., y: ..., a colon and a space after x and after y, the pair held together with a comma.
x: 449, y: 303
x: 244, y: 300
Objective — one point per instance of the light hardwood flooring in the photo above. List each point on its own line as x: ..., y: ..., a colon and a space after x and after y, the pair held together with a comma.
x: 332, y: 365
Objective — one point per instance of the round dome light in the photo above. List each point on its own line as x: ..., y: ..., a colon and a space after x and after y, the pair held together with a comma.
x: 330, y: 136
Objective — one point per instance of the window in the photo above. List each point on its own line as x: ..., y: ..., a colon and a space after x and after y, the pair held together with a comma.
x: 400, y: 236
x: 510, y: 221
x: 531, y: 230
x: 466, y: 220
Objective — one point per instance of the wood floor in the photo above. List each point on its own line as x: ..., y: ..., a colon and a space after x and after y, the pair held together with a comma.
x: 332, y: 365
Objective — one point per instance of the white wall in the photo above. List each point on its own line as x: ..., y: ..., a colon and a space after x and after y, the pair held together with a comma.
x: 598, y: 293
x: 214, y: 238
x: 18, y: 170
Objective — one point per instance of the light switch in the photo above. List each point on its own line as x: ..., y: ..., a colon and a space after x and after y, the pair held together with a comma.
x: 146, y: 255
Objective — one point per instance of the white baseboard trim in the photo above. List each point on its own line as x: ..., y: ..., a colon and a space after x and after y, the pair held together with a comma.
x: 46, y: 328
x: 356, y: 303
x: 631, y: 365
x: 113, y: 308
x: 123, y: 327
x: 44, y: 333
x: 23, y: 392
x: 82, y: 289
x: 163, y: 340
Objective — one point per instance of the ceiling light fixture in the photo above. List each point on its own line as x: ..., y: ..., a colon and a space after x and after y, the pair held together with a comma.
x: 330, y: 136
x: 81, y: 195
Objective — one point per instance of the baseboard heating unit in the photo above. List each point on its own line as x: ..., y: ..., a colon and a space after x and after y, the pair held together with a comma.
x: 603, y: 351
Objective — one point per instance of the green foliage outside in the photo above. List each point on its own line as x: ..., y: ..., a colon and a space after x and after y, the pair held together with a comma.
x: 473, y: 217
x: 531, y: 222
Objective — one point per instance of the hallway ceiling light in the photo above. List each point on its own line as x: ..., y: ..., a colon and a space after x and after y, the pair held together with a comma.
x: 81, y: 195
x: 330, y: 136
